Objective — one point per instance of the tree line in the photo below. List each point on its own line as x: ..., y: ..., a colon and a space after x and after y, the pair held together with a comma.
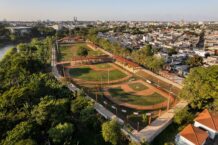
x: 35, y: 108
x: 144, y: 56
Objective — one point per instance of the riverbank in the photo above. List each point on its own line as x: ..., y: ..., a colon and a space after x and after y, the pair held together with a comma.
x: 4, y: 48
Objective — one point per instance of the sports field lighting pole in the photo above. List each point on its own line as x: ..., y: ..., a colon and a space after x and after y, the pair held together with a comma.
x: 63, y: 71
x: 108, y: 76
x: 96, y: 95
x: 138, y: 126
x: 101, y: 81
x: 168, y: 105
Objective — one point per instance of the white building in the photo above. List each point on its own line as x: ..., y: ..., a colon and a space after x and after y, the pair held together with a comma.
x: 191, y: 135
x: 209, y: 122
x: 57, y: 27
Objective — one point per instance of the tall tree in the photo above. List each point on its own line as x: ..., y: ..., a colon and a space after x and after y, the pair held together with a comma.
x: 201, y: 87
x: 61, y: 132
x: 111, y: 131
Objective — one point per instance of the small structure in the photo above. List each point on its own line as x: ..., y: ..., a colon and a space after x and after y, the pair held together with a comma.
x: 207, y: 121
x: 191, y: 135
x: 127, y: 64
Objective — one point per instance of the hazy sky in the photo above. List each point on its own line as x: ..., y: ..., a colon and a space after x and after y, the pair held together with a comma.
x: 109, y: 9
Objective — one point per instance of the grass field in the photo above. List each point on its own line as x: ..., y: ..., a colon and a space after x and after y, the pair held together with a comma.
x: 103, y: 66
x: 88, y: 74
x: 138, y: 86
x: 67, y: 52
x: 122, y: 96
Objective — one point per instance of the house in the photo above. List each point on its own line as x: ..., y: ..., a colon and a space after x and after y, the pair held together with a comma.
x: 207, y: 121
x: 57, y: 27
x: 203, y: 132
x: 191, y: 135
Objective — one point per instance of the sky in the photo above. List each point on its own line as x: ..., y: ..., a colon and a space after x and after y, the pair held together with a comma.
x: 130, y: 10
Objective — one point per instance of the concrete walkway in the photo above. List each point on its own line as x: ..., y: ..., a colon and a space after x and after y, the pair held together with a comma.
x: 157, y: 126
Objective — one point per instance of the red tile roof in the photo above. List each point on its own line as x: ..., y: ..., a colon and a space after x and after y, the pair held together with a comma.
x: 194, y: 134
x: 208, y: 119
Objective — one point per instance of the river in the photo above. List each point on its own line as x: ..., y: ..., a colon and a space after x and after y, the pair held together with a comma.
x: 4, y: 49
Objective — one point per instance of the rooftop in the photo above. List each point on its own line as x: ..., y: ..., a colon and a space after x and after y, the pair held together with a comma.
x: 194, y: 134
x: 208, y: 119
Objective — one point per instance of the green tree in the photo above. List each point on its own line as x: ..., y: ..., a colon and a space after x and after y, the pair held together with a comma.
x: 195, y: 61
x: 26, y: 142
x: 50, y: 110
x: 61, y: 132
x: 82, y: 51
x: 171, y: 51
x: 21, y: 131
x: 200, y: 87
x: 111, y: 132
x: 183, y: 117
x: 88, y: 117
x: 80, y: 103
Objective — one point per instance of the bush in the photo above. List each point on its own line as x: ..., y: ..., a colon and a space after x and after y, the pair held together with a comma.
x: 82, y: 51
x: 183, y: 117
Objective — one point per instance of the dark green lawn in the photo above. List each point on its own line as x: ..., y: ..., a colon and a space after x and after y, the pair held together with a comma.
x: 86, y: 73
x: 119, y: 95
x: 138, y: 86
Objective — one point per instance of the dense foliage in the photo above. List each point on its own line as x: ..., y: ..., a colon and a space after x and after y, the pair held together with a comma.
x: 82, y: 51
x: 111, y: 131
x: 35, y: 108
x: 201, y: 88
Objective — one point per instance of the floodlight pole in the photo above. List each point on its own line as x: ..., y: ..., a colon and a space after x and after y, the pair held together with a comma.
x: 108, y: 76
x: 168, y: 105
x: 138, y: 126
x: 96, y: 95
x: 63, y: 71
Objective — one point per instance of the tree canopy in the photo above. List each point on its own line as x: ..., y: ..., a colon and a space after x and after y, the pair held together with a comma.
x: 82, y: 51
x: 111, y: 131
x: 35, y: 108
x: 201, y: 87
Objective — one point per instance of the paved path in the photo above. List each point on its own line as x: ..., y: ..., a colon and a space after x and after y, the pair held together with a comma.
x: 157, y: 126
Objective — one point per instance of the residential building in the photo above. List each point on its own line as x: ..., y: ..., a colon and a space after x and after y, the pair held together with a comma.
x: 191, y: 135
x: 207, y: 121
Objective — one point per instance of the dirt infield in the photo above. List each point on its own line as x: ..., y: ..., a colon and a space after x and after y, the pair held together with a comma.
x: 124, y: 83
x: 151, y: 89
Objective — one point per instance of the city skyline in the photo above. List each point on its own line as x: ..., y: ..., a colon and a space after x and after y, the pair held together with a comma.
x: 127, y: 10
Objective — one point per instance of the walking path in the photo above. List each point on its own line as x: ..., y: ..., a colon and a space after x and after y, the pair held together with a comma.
x: 157, y: 126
